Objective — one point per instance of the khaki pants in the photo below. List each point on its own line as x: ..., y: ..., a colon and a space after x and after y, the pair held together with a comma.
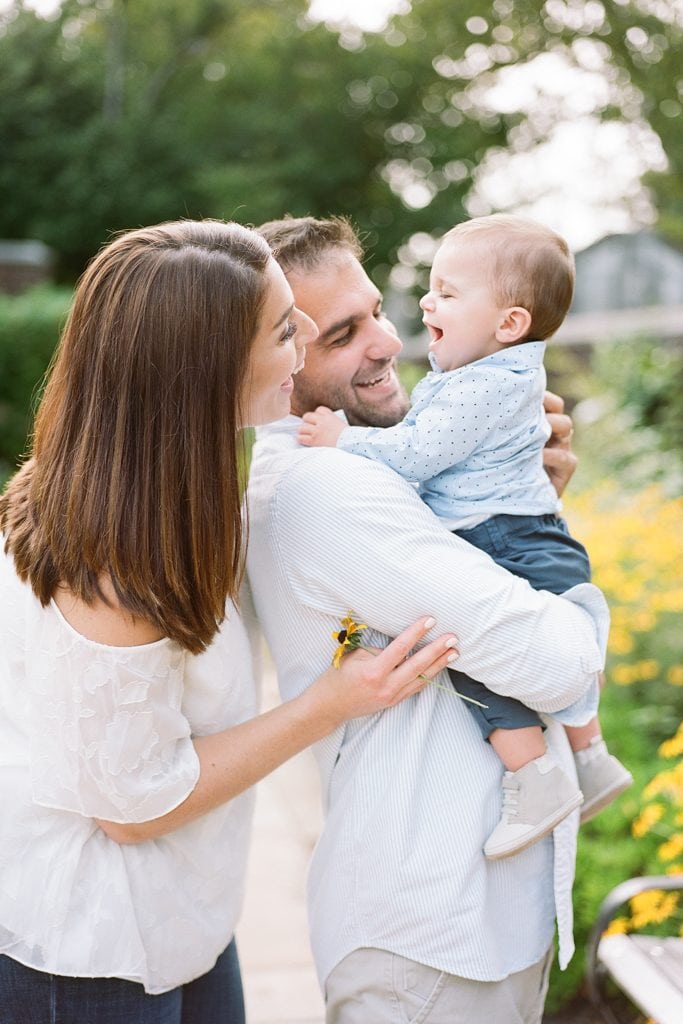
x: 372, y: 986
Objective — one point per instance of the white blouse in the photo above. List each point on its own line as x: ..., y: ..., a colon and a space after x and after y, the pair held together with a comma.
x: 88, y: 730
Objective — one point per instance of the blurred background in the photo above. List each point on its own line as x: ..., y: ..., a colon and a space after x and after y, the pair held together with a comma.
x: 408, y: 117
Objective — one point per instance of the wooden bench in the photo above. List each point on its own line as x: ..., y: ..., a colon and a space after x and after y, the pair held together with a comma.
x: 648, y: 969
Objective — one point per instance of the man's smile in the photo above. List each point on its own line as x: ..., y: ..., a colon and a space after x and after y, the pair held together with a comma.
x: 387, y: 378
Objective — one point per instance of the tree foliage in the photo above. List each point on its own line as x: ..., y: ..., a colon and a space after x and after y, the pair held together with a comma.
x: 122, y: 112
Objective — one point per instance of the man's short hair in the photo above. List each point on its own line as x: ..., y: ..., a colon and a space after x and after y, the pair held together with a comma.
x: 302, y: 243
x: 527, y: 264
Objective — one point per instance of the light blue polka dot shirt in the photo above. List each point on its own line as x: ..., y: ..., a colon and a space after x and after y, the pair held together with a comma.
x: 473, y: 439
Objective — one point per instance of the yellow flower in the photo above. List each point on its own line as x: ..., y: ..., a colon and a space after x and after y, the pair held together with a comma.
x: 671, y: 849
x: 620, y: 642
x: 652, y: 907
x: 348, y: 638
x: 669, y: 783
x: 623, y: 674
x: 674, y: 746
x: 648, y: 817
x: 617, y: 926
x: 647, y: 669
x: 644, y: 621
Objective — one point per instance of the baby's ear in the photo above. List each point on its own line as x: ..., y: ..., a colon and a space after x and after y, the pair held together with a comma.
x: 513, y: 326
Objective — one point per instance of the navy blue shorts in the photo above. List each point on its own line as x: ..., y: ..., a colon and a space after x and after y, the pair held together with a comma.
x: 541, y: 550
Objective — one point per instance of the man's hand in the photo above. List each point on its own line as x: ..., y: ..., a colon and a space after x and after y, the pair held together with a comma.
x: 558, y: 458
x: 320, y: 428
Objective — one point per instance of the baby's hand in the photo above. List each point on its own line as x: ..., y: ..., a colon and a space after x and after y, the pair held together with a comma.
x: 320, y: 428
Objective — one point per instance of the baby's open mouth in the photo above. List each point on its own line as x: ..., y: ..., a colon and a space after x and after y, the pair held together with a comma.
x: 435, y: 333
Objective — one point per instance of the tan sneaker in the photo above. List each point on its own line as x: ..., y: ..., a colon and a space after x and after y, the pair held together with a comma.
x: 602, y: 777
x: 535, y: 799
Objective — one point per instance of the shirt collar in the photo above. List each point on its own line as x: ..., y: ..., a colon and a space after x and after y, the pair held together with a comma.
x: 526, y: 356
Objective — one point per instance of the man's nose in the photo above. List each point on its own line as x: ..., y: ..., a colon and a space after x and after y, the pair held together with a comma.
x: 383, y: 341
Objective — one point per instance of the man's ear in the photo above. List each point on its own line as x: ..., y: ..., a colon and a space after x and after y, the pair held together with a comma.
x: 513, y: 326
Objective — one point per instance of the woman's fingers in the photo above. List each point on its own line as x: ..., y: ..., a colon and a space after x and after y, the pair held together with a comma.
x: 371, y: 679
x: 427, y: 662
x: 402, y: 668
x: 446, y: 655
x: 398, y: 650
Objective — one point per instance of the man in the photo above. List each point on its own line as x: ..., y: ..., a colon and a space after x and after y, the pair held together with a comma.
x: 408, y: 920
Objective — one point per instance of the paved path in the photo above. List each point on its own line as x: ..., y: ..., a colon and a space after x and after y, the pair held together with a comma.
x: 279, y: 978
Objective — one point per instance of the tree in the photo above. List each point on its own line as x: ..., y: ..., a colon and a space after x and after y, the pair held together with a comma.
x: 634, y: 44
x: 123, y: 113
x: 133, y: 113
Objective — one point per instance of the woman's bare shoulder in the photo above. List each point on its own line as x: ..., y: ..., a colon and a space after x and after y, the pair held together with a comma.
x: 105, y: 623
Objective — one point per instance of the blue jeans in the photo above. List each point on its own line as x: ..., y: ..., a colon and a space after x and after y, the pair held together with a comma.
x: 541, y: 550
x: 28, y: 996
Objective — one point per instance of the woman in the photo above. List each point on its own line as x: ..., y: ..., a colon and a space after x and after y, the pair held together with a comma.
x: 127, y: 736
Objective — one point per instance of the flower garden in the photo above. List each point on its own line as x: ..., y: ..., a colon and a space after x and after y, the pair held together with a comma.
x: 636, y: 545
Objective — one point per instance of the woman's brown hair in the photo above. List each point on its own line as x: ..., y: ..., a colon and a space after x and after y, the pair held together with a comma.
x: 137, y: 453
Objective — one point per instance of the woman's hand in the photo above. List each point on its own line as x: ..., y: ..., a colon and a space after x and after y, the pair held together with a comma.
x: 370, y: 680
x: 232, y: 760
x: 558, y: 458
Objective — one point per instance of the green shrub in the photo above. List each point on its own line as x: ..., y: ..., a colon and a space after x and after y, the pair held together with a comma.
x: 29, y: 329
x: 630, y: 412
x: 647, y: 378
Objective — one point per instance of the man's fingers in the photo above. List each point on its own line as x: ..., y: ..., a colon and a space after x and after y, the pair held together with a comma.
x: 560, y: 459
x: 562, y: 429
x: 560, y: 464
x: 553, y: 403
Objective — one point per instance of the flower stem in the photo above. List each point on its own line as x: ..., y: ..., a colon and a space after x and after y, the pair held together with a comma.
x: 433, y: 682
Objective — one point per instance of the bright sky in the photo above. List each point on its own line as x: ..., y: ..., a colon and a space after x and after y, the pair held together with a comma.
x: 583, y: 181
x: 367, y: 14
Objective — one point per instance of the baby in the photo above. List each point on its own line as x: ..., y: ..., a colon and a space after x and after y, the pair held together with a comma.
x: 473, y: 441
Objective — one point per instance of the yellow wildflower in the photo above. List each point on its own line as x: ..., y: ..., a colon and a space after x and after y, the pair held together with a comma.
x: 647, y: 669
x: 617, y: 926
x: 674, y: 746
x: 668, y: 783
x: 652, y: 907
x: 348, y: 638
x: 648, y: 817
x: 671, y: 849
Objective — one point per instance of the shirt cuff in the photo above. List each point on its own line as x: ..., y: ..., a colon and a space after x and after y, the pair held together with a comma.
x: 592, y: 603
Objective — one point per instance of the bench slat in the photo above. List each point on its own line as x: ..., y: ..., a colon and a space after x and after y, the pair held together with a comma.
x: 649, y: 970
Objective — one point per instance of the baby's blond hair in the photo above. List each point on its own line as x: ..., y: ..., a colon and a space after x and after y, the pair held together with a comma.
x: 529, y: 266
